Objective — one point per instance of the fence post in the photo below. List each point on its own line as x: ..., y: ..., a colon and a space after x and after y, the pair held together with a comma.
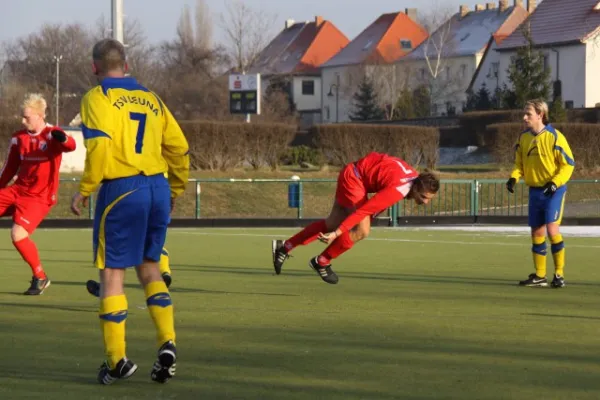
x: 91, y: 207
x: 198, y: 189
x: 474, y: 198
x: 395, y: 215
x: 300, y: 199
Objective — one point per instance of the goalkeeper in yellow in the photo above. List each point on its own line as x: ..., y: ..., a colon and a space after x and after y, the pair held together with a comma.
x: 544, y: 160
x: 132, y: 142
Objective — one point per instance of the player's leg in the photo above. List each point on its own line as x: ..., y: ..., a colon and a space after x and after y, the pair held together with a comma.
x: 165, y: 268
x: 349, y: 189
x: 554, y: 213
x: 158, y: 299
x: 322, y: 263
x: 27, y: 217
x: 537, y: 224
x: 119, y: 228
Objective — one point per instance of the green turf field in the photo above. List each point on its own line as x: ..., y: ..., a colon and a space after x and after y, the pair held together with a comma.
x: 418, y: 314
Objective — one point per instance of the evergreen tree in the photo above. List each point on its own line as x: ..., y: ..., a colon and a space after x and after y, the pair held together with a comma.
x: 557, y: 111
x: 483, y: 99
x: 422, y: 102
x: 529, y: 78
x: 405, y: 108
x: 366, y: 107
x: 472, y: 101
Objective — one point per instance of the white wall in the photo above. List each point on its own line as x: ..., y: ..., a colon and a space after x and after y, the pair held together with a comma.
x: 592, y: 72
x: 307, y: 102
x: 487, y: 73
x: 451, y: 84
x: 75, y: 160
x: 572, y: 70
x: 348, y: 86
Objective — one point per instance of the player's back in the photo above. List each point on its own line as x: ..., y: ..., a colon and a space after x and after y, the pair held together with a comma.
x: 133, y: 118
x: 379, y: 170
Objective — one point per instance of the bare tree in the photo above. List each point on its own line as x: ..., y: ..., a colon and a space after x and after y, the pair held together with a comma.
x: 247, y: 31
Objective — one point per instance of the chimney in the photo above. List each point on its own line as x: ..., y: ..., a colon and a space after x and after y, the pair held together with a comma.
x: 531, y: 4
x: 490, y: 6
x: 318, y: 21
x: 411, y: 13
x: 289, y: 23
x: 463, y: 10
x: 502, y: 5
x: 479, y: 7
x: 519, y: 3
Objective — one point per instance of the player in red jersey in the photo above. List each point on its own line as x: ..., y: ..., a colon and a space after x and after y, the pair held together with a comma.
x: 34, y: 156
x: 390, y: 178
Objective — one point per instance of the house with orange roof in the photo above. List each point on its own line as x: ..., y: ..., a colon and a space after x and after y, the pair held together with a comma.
x: 294, y: 56
x: 446, y: 62
x: 568, y: 33
x: 372, y: 52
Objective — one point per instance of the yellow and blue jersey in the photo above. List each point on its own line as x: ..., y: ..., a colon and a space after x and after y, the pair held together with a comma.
x: 129, y: 131
x: 543, y: 157
x: 138, y: 154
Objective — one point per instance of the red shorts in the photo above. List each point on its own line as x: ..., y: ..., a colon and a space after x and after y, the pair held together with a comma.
x: 26, y: 211
x: 350, y: 192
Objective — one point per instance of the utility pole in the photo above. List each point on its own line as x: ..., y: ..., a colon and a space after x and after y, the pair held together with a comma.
x: 117, y: 20
x: 57, y: 60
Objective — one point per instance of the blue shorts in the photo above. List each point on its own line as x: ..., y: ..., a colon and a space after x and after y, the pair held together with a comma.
x: 130, y: 224
x: 545, y: 210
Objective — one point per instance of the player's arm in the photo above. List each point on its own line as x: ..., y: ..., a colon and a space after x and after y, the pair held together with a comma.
x: 517, y: 171
x: 564, y: 160
x: 96, y: 126
x: 376, y: 204
x: 175, y: 151
x: 11, y: 164
x: 61, y: 142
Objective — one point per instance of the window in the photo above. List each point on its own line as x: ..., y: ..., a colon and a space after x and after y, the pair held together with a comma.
x: 546, y: 62
x: 405, y: 44
x: 448, y: 76
x: 308, y: 88
x: 422, y: 73
x: 369, y: 44
x: 463, y: 70
x: 569, y: 104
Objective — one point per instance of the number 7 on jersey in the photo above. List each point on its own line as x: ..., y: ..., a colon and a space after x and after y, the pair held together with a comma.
x: 139, y: 137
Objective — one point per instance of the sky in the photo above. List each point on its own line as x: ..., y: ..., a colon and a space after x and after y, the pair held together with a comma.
x: 158, y: 18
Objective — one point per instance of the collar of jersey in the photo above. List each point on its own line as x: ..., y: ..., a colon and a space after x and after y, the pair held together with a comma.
x: 127, y: 83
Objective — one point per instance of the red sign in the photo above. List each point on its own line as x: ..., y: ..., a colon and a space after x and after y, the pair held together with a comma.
x: 237, y: 84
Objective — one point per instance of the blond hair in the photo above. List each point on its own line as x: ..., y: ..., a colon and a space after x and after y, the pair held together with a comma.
x: 540, y: 107
x: 36, y: 102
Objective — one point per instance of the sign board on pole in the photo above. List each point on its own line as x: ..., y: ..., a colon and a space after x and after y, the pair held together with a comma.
x: 244, y: 94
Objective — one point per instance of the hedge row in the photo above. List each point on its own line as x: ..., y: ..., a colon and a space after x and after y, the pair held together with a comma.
x: 344, y: 143
x: 584, y: 140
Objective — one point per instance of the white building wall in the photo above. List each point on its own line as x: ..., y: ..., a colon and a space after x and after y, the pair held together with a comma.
x: 592, y: 73
x: 307, y: 102
x: 348, y: 84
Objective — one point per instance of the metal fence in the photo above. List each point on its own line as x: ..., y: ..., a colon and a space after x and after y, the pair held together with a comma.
x: 312, y: 198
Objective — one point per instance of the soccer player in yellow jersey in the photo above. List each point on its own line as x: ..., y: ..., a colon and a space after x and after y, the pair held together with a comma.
x: 132, y: 141
x: 544, y: 160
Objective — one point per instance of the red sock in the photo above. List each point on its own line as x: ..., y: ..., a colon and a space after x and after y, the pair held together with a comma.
x: 306, y: 235
x: 336, y: 249
x: 29, y: 252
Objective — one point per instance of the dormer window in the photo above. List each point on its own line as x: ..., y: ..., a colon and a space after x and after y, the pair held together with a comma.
x: 406, y: 44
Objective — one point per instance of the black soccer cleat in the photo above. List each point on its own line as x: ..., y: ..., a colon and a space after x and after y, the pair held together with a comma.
x: 164, y: 368
x: 534, y: 281
x: 93, y: 288
x: 124, y: 369
x: 325, y: 272
x: 279, y: 255
x: 37, y: 286
x: 167, y: 279
x: 558, y: 282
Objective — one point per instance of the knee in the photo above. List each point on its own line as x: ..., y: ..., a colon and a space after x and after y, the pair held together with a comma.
x: 360, y: 234
x: 18, y: 233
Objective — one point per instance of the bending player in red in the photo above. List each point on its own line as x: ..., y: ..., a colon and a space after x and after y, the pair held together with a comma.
x: 390, y: 178
x: 34, y: 155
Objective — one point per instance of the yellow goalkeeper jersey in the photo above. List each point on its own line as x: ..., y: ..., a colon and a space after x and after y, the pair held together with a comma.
x: 543, y: 157
x: 128, y: 131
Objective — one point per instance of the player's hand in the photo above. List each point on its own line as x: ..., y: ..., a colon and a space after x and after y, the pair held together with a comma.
x: 59, y: 136
x: 77, y: 201
x: 510, y: 185
x: 550, y: 188
x: 327, y: 238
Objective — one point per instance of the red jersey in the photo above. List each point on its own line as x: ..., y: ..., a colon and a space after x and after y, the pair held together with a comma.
x: 390, y: 178
x: 35, y: 159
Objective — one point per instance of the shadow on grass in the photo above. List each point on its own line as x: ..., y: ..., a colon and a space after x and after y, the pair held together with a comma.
x: 93, y: 309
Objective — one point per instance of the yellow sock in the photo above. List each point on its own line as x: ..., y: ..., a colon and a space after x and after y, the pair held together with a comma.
x: 558, y: 254
x: 163, y: 264
x: 113, y: 313
x: 539, y: 255
x: 161, y: 310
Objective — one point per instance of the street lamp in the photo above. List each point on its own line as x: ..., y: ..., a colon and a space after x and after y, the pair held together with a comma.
x: 337, y: 96
x: 57, y: 59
